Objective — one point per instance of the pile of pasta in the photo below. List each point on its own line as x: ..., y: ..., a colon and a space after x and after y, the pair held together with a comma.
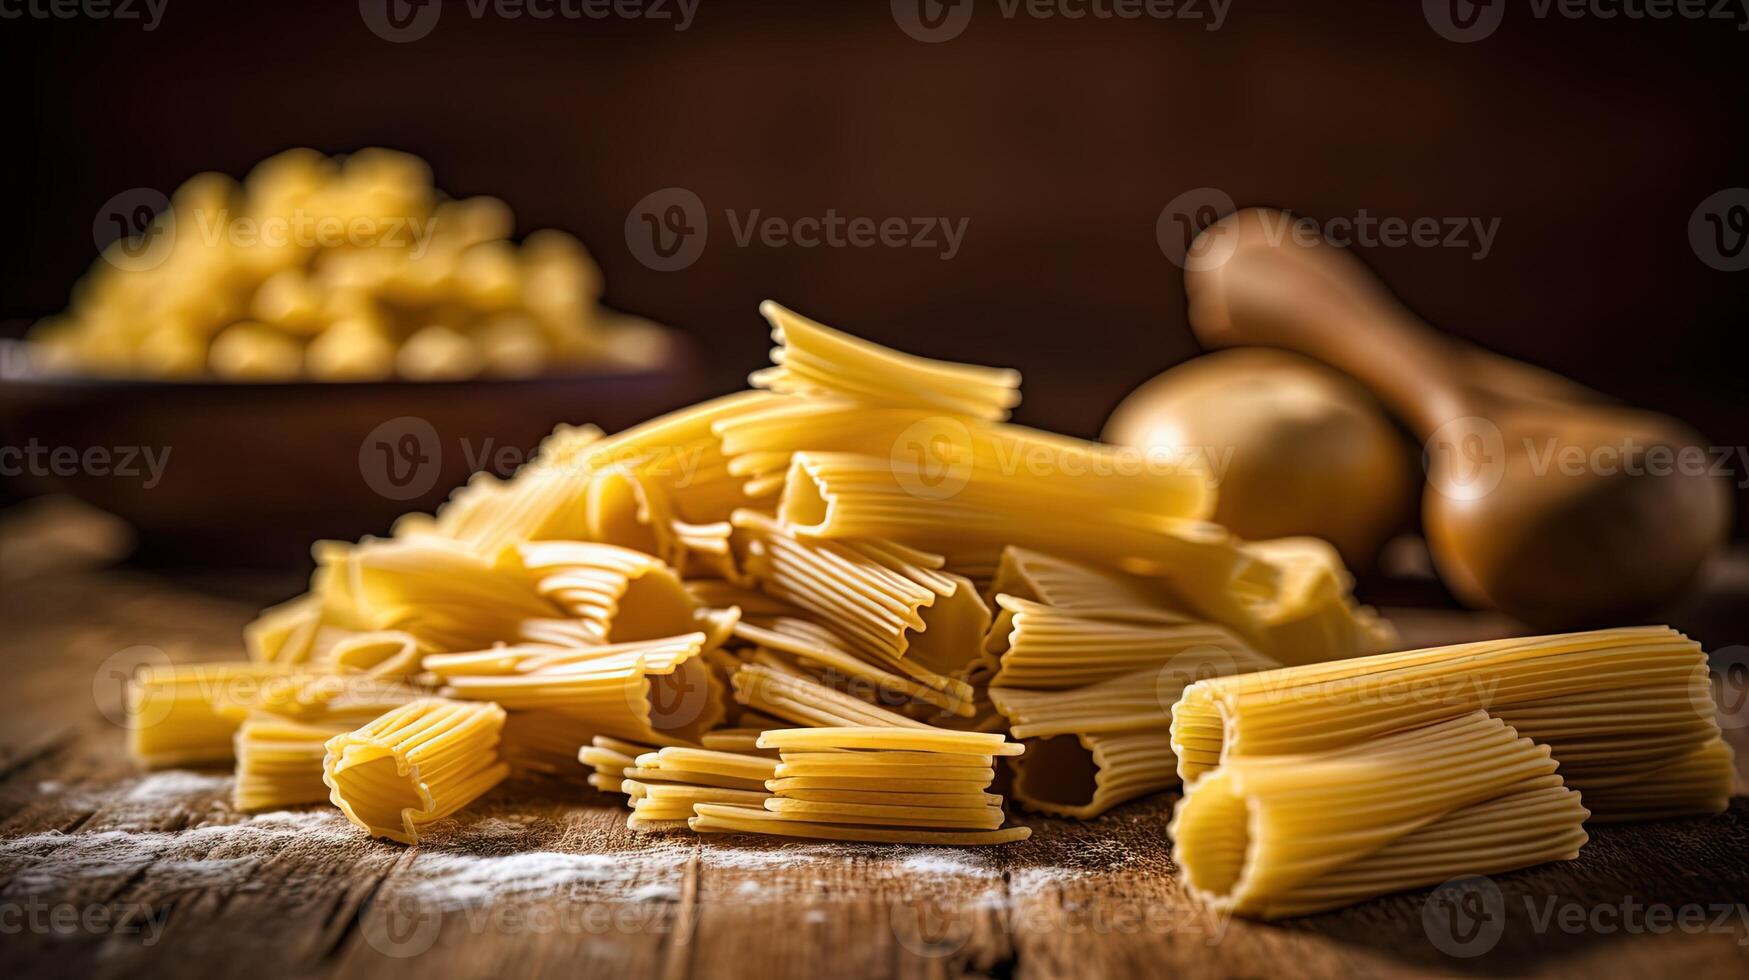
x: 338, y: 269
x: 1317, y: 786
x: 826, y: 607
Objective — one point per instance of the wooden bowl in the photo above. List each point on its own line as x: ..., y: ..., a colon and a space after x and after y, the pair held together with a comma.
x: 213, y: 472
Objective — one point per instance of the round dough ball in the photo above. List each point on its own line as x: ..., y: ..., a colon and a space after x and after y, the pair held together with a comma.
x: 1299, y: 449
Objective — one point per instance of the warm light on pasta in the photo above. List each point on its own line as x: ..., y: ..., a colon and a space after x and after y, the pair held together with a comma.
x: 351, y: 268
x: 1612, y: 705
x: 830, y: 607
x: 1274, y: 836
x: 418, y: 763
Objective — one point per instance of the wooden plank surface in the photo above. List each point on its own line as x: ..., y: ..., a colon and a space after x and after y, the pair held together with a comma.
x: 105, y: 871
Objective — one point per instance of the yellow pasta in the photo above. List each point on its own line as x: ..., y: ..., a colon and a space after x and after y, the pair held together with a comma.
x: 1045, y: 648
x: 815, y: 550
x: 666, y: 785
x: 279, y: 757
x: 418, y: 763
x: 924, y: 739
x: 1084, y: 775
x: 824, y: 652
x: 1093, y: 747
x: 189, y: 714
x: 722, y: 818
x: 657, y: 691
x: 609, y: 758
x: 1274, y: 836
x: 813, y: 359
x: 345, y: 268
x: 802, y: 700
x: 380, y: 653
x: 762, y: 442
x: 893, y: 784
x: 1611, y: 704
x: 545, y: 743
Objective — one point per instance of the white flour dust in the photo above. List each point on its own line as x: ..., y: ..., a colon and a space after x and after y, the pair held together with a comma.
x: 526, y: 858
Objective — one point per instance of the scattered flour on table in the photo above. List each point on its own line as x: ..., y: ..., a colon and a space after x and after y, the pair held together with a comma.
x: 176, y: 786
x: 656, y: 893
x: 448, y: 874
x: 54, y: 861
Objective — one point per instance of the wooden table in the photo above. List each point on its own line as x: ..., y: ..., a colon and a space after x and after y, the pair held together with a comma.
x: 105, y: 871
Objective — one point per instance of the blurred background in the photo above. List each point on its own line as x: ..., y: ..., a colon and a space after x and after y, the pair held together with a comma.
x: 1054, y: 143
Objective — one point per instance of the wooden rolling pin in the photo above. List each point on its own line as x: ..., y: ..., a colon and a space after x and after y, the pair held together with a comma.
x: 1542, y: 498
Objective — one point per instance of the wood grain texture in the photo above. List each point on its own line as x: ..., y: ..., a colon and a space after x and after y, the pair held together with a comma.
x: 105, y: 871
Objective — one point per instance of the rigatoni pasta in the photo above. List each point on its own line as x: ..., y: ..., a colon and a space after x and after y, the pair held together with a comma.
x: 189, y: 714
x: 898, y: 785
x: 418, y: 763
x: 1274, y: 836
x: 866, y: 550
x: 1611, y: 704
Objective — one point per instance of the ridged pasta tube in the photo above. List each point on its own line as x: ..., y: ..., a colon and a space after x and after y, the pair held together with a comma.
x: 1275, y: 836
x: 418, y: 763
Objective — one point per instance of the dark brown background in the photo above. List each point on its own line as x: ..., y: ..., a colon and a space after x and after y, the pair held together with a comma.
x: 1591, y: 141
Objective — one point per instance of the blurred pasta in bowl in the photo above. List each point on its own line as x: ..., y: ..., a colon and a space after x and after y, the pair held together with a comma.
x: 338, y: 269
x: 308, y: 351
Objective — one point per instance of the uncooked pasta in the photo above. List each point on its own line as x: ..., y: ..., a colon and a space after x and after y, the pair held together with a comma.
x: 1274, y: 836
x: 418, y: 763
x: 874, y: 784
x: 1611, y: 704
x: 830, y: 607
